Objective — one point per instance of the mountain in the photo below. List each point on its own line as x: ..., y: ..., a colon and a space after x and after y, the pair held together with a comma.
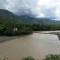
x: 6, y: 15
x: 29, y: 19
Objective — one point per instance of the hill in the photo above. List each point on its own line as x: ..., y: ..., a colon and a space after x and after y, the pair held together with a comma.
x: 7, y: 15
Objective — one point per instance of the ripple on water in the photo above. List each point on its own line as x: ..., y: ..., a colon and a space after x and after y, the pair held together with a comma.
x: 36, y: 45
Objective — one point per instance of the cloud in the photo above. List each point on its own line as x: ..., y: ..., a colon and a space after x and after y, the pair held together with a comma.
x: 39, y: 8
x: 51, y: 8
x: 2, y: 4
x: 17, y: 6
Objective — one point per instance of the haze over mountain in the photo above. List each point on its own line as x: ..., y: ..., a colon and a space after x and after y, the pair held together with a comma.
x: 6, y: 15
x: 38, y: 8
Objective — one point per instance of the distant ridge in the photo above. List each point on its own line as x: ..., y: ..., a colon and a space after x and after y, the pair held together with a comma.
x: 7, y: 15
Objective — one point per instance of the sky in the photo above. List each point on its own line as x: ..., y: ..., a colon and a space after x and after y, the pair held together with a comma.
x: 39, y: 8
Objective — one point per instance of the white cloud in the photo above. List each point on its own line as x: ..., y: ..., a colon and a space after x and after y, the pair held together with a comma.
x: 41, y: 15
x: 51, y: 8
x: 40, y: 8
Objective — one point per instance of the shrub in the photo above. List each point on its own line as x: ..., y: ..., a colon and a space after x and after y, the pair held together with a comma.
x: 28, y: 58
x: 52, y: 57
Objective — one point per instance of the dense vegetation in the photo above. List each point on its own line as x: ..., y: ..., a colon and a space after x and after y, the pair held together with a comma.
x: 11, y: 24
x: 13, y: 28
x: 52, y: 57
x: 17, y: 28
x: 48, y: 57
x: 28, y: 58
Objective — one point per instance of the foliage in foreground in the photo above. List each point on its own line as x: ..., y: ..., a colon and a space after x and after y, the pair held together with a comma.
x: 48, y: 57
x: 52, y: 57
x: 28, y: 58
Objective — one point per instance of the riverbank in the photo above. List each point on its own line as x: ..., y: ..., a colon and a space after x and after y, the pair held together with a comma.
x: 7, y: 38
x: 52, y: 32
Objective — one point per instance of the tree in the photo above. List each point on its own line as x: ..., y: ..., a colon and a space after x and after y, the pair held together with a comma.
x: 28, y: 58
x: 52, y: 57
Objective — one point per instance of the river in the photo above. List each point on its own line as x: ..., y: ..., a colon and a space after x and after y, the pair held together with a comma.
x: 37, y: 45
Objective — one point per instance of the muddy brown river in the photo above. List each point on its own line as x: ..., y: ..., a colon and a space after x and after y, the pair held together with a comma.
x: 37, y: 45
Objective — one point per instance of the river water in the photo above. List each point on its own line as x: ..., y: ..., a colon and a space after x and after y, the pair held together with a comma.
x: 37, y: 45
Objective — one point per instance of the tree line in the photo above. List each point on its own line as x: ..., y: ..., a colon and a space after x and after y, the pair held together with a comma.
x: 10, y: 26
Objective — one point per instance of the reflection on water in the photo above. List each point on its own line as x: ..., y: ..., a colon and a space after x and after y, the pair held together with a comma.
x: 36, y: 45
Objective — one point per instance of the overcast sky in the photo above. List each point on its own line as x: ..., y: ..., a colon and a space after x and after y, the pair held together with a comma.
x: 40, y: 8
